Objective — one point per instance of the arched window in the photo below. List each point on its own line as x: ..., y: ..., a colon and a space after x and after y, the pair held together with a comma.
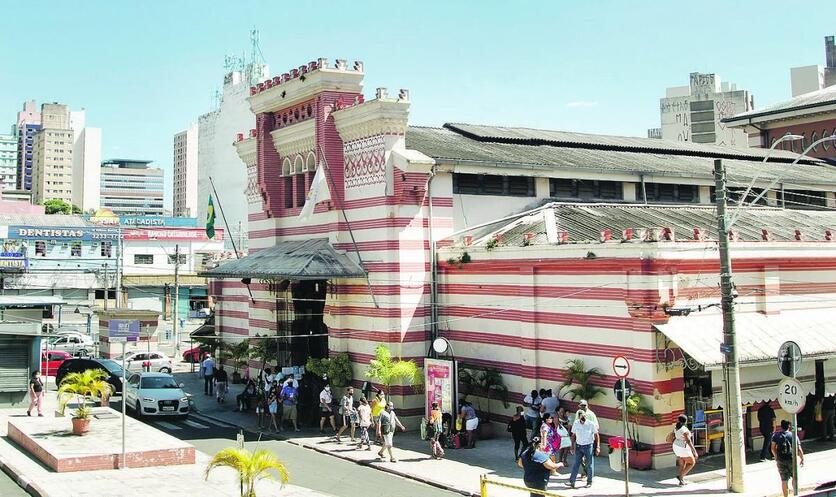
x: 311, y: 164
x: 286, y: 167
x: 299, y: 178
x: 287, y: 178
x: 298, y: 165
x: 813, y: 138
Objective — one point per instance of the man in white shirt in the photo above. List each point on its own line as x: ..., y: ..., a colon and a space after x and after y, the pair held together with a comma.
x: 532, y: 409
x: 586, y: 444
x: 268, y: 380
x: 325, y: 409
x: 207, y: 370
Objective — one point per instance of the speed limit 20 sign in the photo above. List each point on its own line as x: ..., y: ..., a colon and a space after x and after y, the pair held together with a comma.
x: 791, y: 395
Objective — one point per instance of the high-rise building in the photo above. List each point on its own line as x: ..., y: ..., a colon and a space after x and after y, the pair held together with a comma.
x: 131, y: 188
x: 28, y: 123
x: 695, y: 112
x: 87, y: 159
x: 806, y: 79
x: 185, y: 172
x: 52, y: 160
x: 8, y: 161
x: 217, y: 158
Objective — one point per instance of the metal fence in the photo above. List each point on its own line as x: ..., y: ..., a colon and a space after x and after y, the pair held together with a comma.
x: 485, y: 483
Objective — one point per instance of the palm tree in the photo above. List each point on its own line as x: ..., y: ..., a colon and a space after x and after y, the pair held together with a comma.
x: 252, y: 467
x: 579, y: 381
x: 387, y: 370
x: 86, y: 384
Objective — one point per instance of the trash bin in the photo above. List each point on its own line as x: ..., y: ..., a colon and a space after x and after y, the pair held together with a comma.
x: 616, y: 447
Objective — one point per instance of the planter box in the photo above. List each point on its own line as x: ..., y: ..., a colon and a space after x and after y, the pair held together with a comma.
x: 641, y: 459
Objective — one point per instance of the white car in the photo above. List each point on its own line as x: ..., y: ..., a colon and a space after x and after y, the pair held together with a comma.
x: 145, y: 361
x: 74, y: 343
x: 156, y: 394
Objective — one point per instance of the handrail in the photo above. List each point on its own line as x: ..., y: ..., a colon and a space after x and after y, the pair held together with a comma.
x: 484, y: 482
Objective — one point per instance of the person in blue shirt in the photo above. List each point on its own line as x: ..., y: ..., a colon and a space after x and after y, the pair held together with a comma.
x: 537, y: 467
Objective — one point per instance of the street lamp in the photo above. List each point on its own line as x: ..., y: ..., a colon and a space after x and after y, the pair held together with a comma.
x: 778, y: 178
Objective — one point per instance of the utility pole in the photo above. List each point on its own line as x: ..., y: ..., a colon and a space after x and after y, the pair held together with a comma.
x: 106, y: 285
x: 176, y: 307
x: 119, y: 268
x: 733, y: 436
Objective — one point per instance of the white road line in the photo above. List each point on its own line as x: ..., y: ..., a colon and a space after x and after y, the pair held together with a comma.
x: 194, y: 424
x: 170, y: 426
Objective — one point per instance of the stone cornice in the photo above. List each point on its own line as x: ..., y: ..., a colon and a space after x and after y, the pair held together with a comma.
x: 246, y: 151
x: 382, y: 116
x: 294, y: 139
x: 296, y: 90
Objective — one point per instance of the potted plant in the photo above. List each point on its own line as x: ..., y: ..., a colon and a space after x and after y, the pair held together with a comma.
x: 641, y: 454
x: 387, y: 370
x: 578, y: 381
x: 488, y: 384
x: 239, y: 354
x: 252, y: 467
x: 87, y: 384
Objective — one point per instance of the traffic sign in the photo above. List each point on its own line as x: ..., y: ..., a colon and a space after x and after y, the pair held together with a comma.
x: 789, y: 359
x: 121, y: 330
x: 791, y: 395
x: 617, y: 389
x: 621, y: 366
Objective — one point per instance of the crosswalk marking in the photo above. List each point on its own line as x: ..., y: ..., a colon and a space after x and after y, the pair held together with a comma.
x: 170, y: 426
x: 195, y: 424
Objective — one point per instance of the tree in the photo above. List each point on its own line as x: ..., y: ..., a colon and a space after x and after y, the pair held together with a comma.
x: 263, y: 348
x: 57, y: 206
x: 337, y: 369
x: 387, y: 370
x: 252, y: 467
x: 83, y: 385
x: 578, y: 381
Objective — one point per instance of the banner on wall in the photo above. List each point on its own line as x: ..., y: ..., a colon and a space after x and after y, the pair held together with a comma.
x: 439, y: 377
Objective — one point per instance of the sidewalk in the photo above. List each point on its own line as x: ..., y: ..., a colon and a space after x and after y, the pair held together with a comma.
x: 461, y: 469
x: 163, y: 481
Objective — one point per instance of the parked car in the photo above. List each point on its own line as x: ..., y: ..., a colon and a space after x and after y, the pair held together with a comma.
x: 74, y: 343
x: 140, y: 361
x: 156, y: 394
x: 51, y: 360
x: 196, y: 354
x: 78, y: 365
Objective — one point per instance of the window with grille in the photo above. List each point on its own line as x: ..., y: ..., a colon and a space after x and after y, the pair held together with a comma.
x: 669, y: 193
x: 106, y: 249
x: 586, y: 189
x: 143, y: 258
x: 75, y: 249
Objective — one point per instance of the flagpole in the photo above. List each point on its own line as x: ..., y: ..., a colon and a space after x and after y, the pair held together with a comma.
x: 229, y: 233
x: 348, y: 225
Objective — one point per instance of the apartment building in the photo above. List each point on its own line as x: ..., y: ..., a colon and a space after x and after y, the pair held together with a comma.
x: 130, y: 188
x: 52, y: 158
x: 8, y: 162
x: 185, y: 172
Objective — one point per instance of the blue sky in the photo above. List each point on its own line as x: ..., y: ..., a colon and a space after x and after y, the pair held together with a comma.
x: 145, y: 70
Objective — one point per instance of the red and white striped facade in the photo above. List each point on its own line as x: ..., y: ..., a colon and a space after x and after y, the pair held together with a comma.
x: 317, y: 115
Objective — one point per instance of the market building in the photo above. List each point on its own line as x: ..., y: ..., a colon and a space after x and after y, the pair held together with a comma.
x: 361, y: 269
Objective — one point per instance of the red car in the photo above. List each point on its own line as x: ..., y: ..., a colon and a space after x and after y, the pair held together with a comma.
x: 196, y: 354
x: 51, y: 359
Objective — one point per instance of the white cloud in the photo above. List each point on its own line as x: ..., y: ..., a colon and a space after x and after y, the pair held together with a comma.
x: 581, y: 104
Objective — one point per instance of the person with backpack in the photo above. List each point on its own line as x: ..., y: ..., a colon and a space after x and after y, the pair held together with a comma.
x: 683, y: 448
x: 782, y: 446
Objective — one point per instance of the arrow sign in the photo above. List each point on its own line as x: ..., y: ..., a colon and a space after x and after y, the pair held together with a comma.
x: 621, y: 366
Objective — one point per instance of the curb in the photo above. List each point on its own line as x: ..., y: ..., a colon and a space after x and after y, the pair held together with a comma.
x: 29, y: 487
x: 369, y: 464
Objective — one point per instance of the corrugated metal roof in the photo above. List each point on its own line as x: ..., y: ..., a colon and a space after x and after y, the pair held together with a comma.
x: 759, y: 336
x: 446, y: 146
x: 811, y: 100
x: 584, y: 223
x: 43, y: 220
x: 312, y: 259
x: 531, y: 136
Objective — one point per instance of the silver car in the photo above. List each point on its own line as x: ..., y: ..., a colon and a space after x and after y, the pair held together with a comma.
x: 156, y: 394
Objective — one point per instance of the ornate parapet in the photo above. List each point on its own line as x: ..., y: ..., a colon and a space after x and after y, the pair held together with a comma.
x: 295, y: 139
x: 381, y: 116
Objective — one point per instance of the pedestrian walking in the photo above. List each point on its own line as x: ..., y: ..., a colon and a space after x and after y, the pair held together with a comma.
x: 386, y: 430
x: 378, y: 405
x: 537, y: 467
x: 326, y: 410
x: 273, y: 408
x: 364, y: 418
x: 268, y: 379
x: 470, y: 422
x: 207, y: 372
x: 783, y: 443
x: 766, y: 425
x: 290, y: 398
x: 532, y: 403
x: 348, y: 413
x: 221, y: 380
x: 683, y: 448
x: 517, y: 427
x: 583, y: 405
x: 434, y: 429
x: 586, y: 444
x: 36, y: 393
x: 562, y: 426
x: 549, y: 439
x: 828, y: 412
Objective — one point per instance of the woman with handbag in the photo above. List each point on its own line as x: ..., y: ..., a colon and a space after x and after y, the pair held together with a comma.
x: 683, y: 448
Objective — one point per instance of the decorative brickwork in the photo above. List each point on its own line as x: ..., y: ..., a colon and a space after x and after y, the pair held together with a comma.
x: 365, y: 161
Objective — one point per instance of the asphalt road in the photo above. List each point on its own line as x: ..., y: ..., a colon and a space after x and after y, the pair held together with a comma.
x: 307, y: 468
x: 9, y: 488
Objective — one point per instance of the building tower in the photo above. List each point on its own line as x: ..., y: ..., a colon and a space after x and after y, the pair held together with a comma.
x: 130, y: 188
x: 8, y: 160
x: 185, y: 172
x: 52, y: 158
x: 28, y: 123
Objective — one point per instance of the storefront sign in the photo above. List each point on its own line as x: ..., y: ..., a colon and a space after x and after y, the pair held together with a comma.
x: 13, y: 260
x: 439, y: 376
x: 123, y: 330
x: 170, y: 234
x: 158, y: 221
x: 62, y: 233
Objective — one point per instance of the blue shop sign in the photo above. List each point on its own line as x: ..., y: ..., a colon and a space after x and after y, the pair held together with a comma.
x: 62, y: 233
x: 158, y: 221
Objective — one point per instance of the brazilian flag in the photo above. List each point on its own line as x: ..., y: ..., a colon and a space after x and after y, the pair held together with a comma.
x: 210, y: 219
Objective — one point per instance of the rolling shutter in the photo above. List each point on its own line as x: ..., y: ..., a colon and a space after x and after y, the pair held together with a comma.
x: 14, y: 365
